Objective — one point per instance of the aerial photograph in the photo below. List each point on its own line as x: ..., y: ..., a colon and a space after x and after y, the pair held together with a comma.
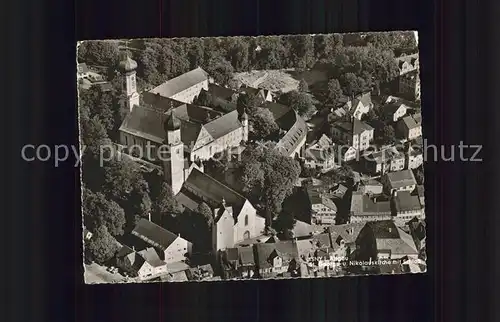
x: 251, y: 158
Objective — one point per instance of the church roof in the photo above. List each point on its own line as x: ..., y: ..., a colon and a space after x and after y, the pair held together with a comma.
x: 145, y: 122
x: 146, y: 229
x: 223, y: 125
x: 181, y: 83
x: 211, y: 191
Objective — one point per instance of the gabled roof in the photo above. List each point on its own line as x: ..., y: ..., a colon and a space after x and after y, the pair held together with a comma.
x: 221, y: 92
x: 152, y: 233
x: 418, y: 118
x: 196, y: 113
x: 145, y: 122
x: 401, y: 179
x: 404, y: 201
x: 151, y: 257
x: 246, y: 255
x: 181, y: 83
x: 363, y: 205
x: 212, y: 191
x: 223, y: 125
x: 287, y: 250
x: 348, y: 232
x: 409, y: 122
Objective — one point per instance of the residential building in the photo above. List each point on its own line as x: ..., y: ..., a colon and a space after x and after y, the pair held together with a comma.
x: 293, y: 127
x: 320, y: 154
x: 414, y: 157
x: 354, y: 133
x: 171, y: 247
x: 386, y: 160
x: 401, y: 181
x: 183, y: 88
x: 145, y: 264
x: 371, y: 186
x: 365, y: 208
x: 323, y: 209
x: 238, y: 262
x: 409, y: 85
x: 408, y: 63
x: 420, y: 193
x: 345, y: 153
x: 360, y: 105
x: 263, y: 94
x: 235, y: 218
x: 82, y: 70
x: 381, y: 240
x: 273, y: 260
x: 343, y: 238
x: 394, y: 110
x: 200, y: 273
x: 406, y: 206
x: 410, y: 127
x: 222, y: 97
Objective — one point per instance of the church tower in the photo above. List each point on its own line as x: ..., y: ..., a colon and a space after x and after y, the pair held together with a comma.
x: 127, y: 68
x: 173, y: 156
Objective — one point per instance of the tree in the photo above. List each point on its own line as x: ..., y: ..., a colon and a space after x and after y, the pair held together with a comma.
x: 120, y: 178
x: 206, y: 213
x: 300, y: 102
x: 262, y: 124
x: 237, y: 53
x: 268, y: 177
x: 334, y: 92
x: 353, y: 85
x: 102, y: 246
x: 98, y: 211
x: 147, y: 64
x: 221, y: 70
x: 248, y: 102
x: 102, y: 105
x: 303, y: 87
x: 166, y: 205
x: 99, y: 52
x: 388, y: 135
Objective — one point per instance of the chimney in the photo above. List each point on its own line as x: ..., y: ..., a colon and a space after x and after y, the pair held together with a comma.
x: 133, y: 248
x: 149, y: 216
x: 223, y: 202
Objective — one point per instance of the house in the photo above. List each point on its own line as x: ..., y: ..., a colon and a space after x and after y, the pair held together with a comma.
x: 360, y: 105
x: 345, y: 236
x: 400, y: 180
x: 394, y: 111
x: 238, y: 262
x: 338, y: 191
x: 263, y: 94
x: 235, y: 218
x: 371, y: 186
x: 87, y: 235
x: 355, y: 133
x: 414, y: 157
x: 200, y: 273
x: 82, y: 70
x: 406, y: 206
x: 323, y: 209
x: 408, y: 63
x: 183, y: 88
x: 409, y: 127
x: 345, y: 153
x: 388, y: 159
x: 222, y: 97
x: 381, y: 240
x: 276, y: 259
x: 172, y: 247
x: 409, y: 85
x: 293, y: 127
x: 144, y: 264
x: 320, y: 154
x: 365, y: 208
